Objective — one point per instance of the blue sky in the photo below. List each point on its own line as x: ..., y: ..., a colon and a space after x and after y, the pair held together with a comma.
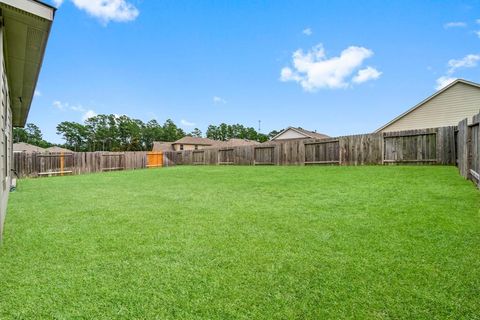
x: 338, y: 67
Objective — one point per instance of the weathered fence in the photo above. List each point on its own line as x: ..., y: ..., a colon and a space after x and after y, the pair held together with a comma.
x: 426, y: 146
x: 47, y: 164
x: 468, y: 145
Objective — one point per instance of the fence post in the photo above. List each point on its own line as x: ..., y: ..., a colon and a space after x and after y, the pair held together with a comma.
x: 462, y: 143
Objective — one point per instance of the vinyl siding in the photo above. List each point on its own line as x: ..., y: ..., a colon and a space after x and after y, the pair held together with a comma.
x: 5, y: 138
x: 446, y: 109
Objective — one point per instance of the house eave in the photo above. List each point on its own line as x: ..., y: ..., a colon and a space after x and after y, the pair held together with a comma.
x: 26, y: 29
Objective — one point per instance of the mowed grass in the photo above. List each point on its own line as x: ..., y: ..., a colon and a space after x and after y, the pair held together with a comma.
x: 244, y: 243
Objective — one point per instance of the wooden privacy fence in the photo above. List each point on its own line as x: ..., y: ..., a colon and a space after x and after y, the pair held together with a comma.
x: 48, y: 164
x: 468, y: 145
x: 426, y: 146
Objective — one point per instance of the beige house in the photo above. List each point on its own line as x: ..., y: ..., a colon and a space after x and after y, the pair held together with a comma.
x: 292, y: 133
x: 447, y: 107
x: 195, y: 143
x: 24, y: 30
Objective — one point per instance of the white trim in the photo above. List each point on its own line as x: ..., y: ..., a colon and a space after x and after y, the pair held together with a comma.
x: 290, y: 128
x: 32, y: 7
x: 428, y: 99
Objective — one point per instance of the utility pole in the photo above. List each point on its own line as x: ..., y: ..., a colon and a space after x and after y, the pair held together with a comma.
x: 259, y: 125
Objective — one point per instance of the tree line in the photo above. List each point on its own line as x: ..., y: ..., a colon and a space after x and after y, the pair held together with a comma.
x: 122, y: 133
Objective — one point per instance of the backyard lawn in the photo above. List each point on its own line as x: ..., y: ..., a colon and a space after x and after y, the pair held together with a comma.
x: 244, y: 243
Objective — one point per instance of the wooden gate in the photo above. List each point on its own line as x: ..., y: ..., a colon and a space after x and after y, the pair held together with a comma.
x: 327, y: 152
x: 54, y: 164
x: 154, y: 159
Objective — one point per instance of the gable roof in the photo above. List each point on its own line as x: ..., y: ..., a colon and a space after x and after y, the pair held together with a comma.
x: 26, y: 147
x: 306, y: 133
x: 419, y: 105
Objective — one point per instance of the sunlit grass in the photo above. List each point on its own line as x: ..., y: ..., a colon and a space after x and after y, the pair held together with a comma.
x: 244, y: 243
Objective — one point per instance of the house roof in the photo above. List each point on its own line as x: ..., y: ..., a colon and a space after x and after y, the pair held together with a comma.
x: 306, y: 133
x: 197, y: 141
x: 27, y: 26
x: 56, y: 149
x: 419, y: 105
x: 162, y: 146
x: 26, y: 147
x: 239, y: 143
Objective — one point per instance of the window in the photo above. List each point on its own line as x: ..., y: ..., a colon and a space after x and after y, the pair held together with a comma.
x: 196, y: 147
x: 181, y: 147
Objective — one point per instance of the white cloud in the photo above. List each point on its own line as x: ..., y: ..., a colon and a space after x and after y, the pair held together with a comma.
x: 469, y: 61
x: 313, y: 70
x: 366, y: 74
x: 64, y: 106
x: 57, y: 3
x: 88, y: 114
x: 59, y: 105
x: 444, y: 81
x: 477, y: 33
x: 106, y: 10
x: 37, y: 93
x: 455, y: 24
x: 219, y: 100
x: 478, y: 21
x: 187, y: 123
x: 307, y: 31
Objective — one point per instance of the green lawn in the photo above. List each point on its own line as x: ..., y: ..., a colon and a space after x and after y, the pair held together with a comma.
x: 244, y: 243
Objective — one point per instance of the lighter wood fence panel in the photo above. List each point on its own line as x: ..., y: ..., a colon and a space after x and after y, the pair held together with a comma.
x: 43, y: 164
x: 226, y: 156
x: 462, y: 148
x: 198, y: 157
x: 264, y: 155
x: 322, y: 152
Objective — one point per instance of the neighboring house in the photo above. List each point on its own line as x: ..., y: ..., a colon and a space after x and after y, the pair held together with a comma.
x: 447, y: 107
x: 193, y: 143
x: 27, y: 148
x: 292, y: 133
x: 56, y: 149
x: 24, y: 30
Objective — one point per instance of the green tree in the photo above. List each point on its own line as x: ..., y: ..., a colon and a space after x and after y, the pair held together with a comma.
x: 196, y: 133
x: 75, y: 135
x: 171, y: 132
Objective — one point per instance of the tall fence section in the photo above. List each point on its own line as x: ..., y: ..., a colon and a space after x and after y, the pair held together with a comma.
x: 426, y: 146
x: 468, y: 144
